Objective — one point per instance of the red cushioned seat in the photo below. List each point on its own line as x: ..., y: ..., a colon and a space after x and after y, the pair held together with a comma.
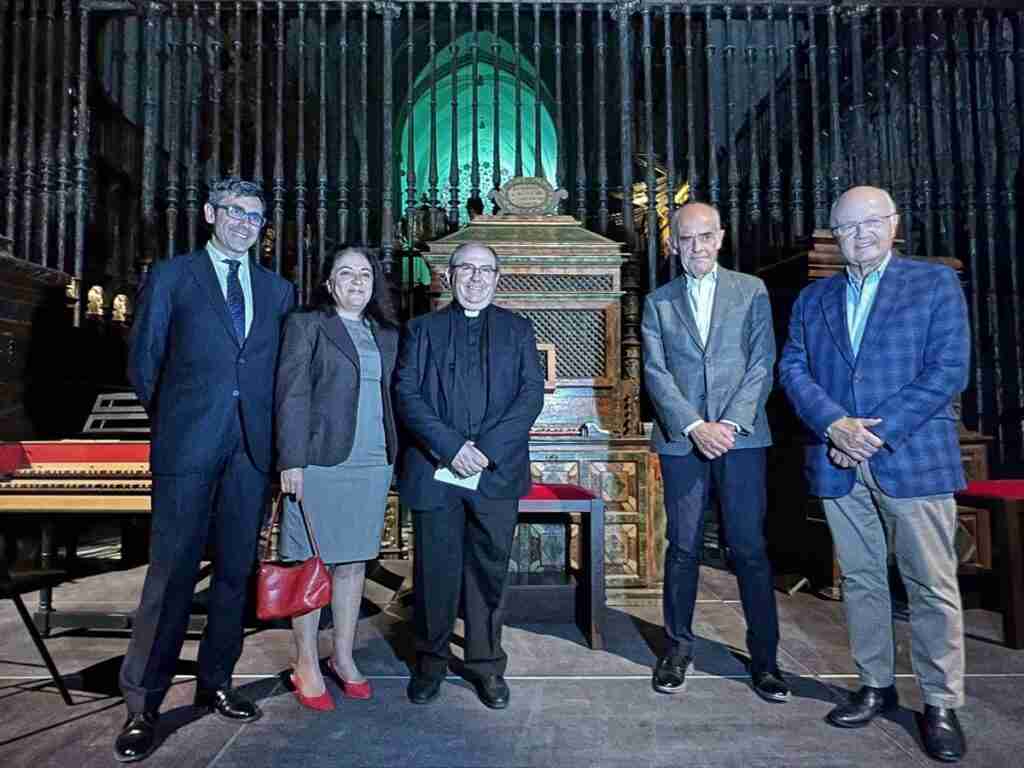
x: 558, y: 492
x: 1011, y: 490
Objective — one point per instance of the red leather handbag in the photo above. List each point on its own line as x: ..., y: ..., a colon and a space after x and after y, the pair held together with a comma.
x: 284, y: 590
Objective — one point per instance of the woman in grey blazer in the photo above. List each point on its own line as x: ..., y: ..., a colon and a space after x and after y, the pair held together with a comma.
x: 336, y: 445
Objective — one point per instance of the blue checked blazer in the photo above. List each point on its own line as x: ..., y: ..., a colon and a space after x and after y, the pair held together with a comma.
x: 913, y: 362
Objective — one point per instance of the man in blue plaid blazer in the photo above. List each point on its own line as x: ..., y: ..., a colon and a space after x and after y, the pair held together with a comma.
x: 875, y: 358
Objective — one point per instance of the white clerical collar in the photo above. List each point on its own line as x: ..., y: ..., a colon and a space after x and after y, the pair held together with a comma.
x: 471, y: 312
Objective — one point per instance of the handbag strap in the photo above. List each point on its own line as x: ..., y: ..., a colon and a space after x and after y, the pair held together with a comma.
x: 274, y: 515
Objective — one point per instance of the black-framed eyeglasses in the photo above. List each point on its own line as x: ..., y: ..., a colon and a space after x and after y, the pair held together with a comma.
x: 469, y: 271
x: 874, y: 224
x: 238, y: 213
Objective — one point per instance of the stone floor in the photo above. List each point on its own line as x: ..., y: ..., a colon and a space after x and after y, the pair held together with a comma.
x: 570, y: 706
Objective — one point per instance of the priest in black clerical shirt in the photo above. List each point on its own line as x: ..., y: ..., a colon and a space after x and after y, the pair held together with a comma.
x: 469, y: 387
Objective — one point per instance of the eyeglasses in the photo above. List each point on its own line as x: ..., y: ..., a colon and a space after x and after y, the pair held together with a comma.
x: 469, y: 271
x: 701, y: 238
x: 237, y: 213
x: 346, y: 275
x: 874, y: 224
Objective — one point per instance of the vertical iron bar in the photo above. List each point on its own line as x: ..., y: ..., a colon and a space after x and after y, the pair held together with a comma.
x: 817, y: 139
x: 519, y: 89
x: 150, y: 132
x: 46, y: 140
x: 650, y: 182
x: 885, y: 175
x: 29, y: 135
x: 730, y: 137
x: 965, y: 133
x: 257, y: 169
x: 495, y: 127
x: 754, y: 182
x: 1008, y: 140
x: 279, y: 180
x: 559, y: 116
x: 623, y: 13
x: 474, y: 172
x: 410, y: 103
x: 194, y: 78
x: 432, y: 49
x: 215, y: 93
x: 82, y: 151
x: 714, y: 185
x: 63, y: 147
x: 691, y: 132
x: 581, y: 169
x: 602, y: 112
x: 837, y: 171
x: 389, y: 12
x: 173, y: 85
x: 453, y: 164
x: 300, y: 159
x: 858, y: 153
x: 774, y: 171
x: 945, y: 171
x: 796, y: 189
x: 538, y: 168
x: 321, y: 160
x: 670, y: 147
x: 987, y: 139
x: 236, y: 51
x: 5, y: 23
x: 904, y: 195
x: 343, y: 189
x: 364, y: 160
x: 923, y: 144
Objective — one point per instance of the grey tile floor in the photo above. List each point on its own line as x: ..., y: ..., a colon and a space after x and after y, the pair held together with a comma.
x: 570, y: 706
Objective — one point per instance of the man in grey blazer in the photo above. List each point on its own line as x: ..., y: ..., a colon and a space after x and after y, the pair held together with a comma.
x: 709, y: 349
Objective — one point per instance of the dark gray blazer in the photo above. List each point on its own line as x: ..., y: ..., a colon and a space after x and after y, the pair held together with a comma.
x: 317, y: 389
x: 729, y: 379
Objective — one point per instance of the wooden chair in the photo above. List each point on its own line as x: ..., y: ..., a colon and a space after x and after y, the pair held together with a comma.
x: 1004, y: 500
x: 12, y: 587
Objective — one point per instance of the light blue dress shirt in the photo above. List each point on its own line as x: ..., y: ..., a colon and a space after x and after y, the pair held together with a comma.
x: 217, y: 258
x: 860, y: 297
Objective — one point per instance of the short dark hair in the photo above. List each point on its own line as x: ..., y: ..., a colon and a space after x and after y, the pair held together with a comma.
x: 235, y: 186
x: 380, y: 307
x: 466, y: 247
x: 475, y: 205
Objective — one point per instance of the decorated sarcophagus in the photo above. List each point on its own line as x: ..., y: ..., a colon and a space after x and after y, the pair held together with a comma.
x: 568, y: 281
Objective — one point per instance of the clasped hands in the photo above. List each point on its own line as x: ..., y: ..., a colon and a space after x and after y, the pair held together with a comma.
x: 713, y: 438
x: 469, y: 461
x: 852, y: 441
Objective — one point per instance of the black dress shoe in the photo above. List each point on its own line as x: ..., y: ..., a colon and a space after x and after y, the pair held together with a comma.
x: 423, y: 689
x: 670, y: 673
x: 942, y: 735
x: 770, y: 686
x: 137, y: 738
x: 227, y: 703
x: 492, y: 690
x: 863, y: 707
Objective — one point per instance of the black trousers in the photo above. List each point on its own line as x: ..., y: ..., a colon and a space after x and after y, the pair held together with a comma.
x: 462, y: 550
x: 223, y: 506
x: 739, y: 478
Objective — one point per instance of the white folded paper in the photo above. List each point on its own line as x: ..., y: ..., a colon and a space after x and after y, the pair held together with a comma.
x: 445, y: 475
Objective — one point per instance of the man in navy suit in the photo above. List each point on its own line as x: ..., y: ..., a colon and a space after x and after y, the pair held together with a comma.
x: 876, y: 356
x: 468, y: 389
x: 708, y: 356
x: 203, y: 351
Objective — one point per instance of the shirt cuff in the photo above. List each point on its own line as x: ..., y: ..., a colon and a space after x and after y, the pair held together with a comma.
x: 734, y: 425
x: 692, y: 426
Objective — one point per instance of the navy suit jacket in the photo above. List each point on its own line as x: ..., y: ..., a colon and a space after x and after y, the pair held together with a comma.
x: 913, y: 362
x: 189, y: 370
x: 424, y: 401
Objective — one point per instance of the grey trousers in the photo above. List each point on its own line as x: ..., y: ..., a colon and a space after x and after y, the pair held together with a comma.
x: 920, y: 533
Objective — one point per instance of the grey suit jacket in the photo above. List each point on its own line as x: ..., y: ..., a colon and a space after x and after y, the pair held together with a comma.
x: 317, y: 390
x: 729, y: 379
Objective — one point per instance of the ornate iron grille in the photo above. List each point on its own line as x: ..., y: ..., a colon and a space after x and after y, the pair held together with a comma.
x: 579, y: 339
x: 537, y: 283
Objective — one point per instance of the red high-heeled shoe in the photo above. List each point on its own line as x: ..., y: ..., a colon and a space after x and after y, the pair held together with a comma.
x: 350, y: 690
x: 321, y: 703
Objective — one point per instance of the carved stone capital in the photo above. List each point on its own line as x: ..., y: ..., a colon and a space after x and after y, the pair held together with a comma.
x: 623, y: 9
x: 387, y: 8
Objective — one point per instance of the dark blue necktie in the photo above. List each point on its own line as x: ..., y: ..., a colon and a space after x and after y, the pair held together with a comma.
x: 236, y: 299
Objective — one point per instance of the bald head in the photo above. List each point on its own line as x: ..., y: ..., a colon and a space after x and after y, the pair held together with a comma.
x: 697, y: 236
x: 864, y: 221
